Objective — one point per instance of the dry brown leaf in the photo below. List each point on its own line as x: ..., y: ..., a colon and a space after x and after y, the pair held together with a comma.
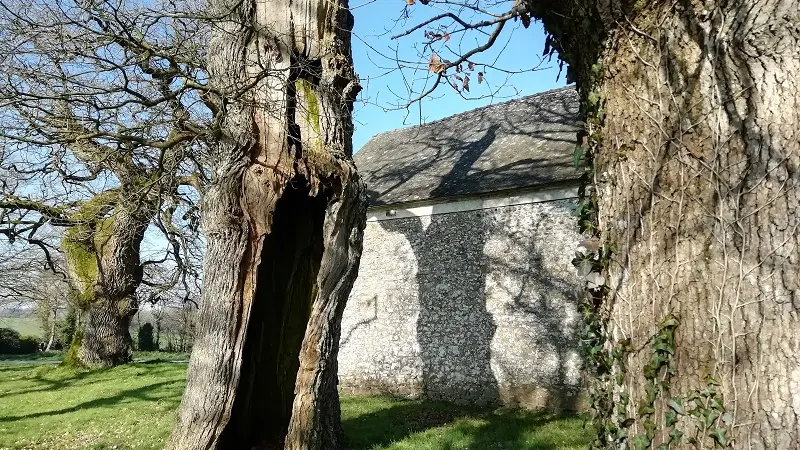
x: 435, y: 65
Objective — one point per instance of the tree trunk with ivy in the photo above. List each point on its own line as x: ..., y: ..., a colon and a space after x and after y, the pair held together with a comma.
x: 693, y: 201
x: 284, y: 220
x: 103, y: 264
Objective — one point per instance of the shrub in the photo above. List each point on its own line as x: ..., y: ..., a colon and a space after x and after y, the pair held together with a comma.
x: 66, y: 327
x: 11, y: 343
x: 145, y: 338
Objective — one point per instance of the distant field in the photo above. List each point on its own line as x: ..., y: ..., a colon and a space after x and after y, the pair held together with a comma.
x: 29, y: 326
x: 26, y: 326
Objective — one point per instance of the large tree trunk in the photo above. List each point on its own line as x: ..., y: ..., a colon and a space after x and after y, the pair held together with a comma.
x: 693, y: 111
x: 104, y: 270
x: 284, y: 220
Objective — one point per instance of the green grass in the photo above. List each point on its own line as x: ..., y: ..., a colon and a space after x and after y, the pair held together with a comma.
x: 51, y: 407
x: 33, y: 357
x: 133, y: 407
x: 380, y: 423
x: 25, y: 326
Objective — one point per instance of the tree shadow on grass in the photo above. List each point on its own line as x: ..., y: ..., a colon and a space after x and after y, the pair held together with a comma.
x: 525, y: 430
x: 37, y: 374
x: 44, y: 384
x: 464, y: 428
x: 160, y: 391
x: 387, y: 425
x: 53, y: 357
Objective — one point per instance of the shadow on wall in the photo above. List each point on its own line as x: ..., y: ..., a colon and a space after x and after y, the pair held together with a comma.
x: 533, y: 286
x: 455, y: 328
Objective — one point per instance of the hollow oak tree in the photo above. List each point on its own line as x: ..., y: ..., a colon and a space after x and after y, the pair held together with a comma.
x: 691, y: 198
x: 284, y: 219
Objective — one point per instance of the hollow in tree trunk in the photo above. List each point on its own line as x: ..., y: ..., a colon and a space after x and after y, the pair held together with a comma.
x: 693, y: 113
x: 284, y: 221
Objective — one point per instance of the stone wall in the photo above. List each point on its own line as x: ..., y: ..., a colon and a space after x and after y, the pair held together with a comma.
x: 470, y: 307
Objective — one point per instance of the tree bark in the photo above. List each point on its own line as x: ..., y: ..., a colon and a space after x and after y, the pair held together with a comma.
x: 694, y: 108
x: 104, y: 271
x: 284, y: 219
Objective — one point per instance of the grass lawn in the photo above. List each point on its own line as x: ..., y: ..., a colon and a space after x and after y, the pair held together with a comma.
x: 133, y: 407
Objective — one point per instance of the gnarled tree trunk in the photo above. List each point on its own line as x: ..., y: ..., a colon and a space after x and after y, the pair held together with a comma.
x: 102, y: 257
x: 284, y: 220
x: 694, y: 128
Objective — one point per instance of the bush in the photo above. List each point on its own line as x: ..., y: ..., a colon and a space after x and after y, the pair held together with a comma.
x: 145, y: 338
x: 66, y: 327
x: 11, y: 343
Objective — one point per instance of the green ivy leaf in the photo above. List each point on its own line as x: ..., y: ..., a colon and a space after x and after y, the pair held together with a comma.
x: 670, y: 418
x: 641, y: 442
x: 676, y: 405
x: 710, y: 417
x: 646, y: 409
x: 675, y: 436
x: 719, y: 436
x: 577, y: 155
x: 593, y: 98
x: 650, y: 427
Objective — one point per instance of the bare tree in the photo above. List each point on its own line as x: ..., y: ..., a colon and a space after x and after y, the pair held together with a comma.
x: 692, y: 149
x: 284, y: 220
x: 52, y: 293
x: 102, y: 125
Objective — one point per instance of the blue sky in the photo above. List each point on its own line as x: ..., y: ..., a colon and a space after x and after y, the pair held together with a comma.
x: 380, y: 105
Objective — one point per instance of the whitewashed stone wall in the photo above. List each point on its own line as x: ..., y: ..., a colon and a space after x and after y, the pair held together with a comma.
x: 470, y: 307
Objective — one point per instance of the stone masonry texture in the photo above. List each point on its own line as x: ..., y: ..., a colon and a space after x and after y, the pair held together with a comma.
x: 475, y: 307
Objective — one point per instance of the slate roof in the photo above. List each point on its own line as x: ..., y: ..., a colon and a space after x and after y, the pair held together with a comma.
x: 511, y: 145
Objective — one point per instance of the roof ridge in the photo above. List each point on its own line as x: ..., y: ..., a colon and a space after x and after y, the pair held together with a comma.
x: 480, y: 108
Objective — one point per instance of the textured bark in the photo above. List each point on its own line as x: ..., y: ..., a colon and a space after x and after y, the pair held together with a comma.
x: 698, y: 185
x: 315, y: 418
x: 284, y: 220
x: 103, y: 338
x: 104, y: 271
